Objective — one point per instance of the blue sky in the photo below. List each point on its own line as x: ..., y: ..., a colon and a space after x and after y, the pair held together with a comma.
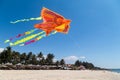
x: 94, y: 32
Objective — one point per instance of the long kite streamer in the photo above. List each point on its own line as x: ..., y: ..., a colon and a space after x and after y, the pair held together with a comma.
x: 25, y: 20
x: 26, y: 39
x: 20, y: 35
x: 37, y: 39
x: 52, y: 23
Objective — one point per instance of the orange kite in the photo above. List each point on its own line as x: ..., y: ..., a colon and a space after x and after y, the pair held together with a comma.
x: 53, y: 22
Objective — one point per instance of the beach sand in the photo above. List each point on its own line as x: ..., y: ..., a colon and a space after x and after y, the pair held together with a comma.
x: 58, y: 75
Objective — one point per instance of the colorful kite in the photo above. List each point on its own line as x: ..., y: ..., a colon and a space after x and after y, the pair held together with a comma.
x: 52, y: 23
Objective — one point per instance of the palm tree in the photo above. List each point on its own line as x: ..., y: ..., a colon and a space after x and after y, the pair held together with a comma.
x: 62, y: 62
x: 49, y: 59
x: 40, y: 56
x: 3, y: 57
x: 15, y: 57
x: 9, y: 54
x: 29, y: 58
x: 77, y: 63
x: 34, y: 60
x: 6, y: 55
x: 57, y: 63
x: 23, y: 58
x: 42, y: 62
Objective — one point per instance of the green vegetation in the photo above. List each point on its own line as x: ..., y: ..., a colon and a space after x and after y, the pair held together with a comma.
x: 15, y: 58
x: 85, y: 64
x: 9, y: 56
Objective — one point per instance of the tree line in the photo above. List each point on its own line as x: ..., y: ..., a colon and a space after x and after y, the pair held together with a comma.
x: 9, y: 56
x: 13, y: 57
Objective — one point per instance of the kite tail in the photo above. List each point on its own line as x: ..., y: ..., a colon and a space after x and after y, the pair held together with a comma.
x: 25, y: 20
x: 37, y: 39
x: 20, y: 35
x: 34, y: 40
x: 26, y: 39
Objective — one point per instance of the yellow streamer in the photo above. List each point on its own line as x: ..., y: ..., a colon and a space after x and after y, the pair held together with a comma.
x: 26, y: 33
x: 38, y: 38
x: 26, y: 39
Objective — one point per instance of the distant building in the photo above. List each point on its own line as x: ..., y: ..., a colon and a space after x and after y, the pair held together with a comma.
x: 81, y: 67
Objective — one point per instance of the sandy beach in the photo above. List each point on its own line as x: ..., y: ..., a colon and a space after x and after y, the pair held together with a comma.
x: 57, y: 75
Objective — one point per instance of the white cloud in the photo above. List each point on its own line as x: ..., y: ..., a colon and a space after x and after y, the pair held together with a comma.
x: 71, y: 59
x: 82, y: 57
x: 1, y: 49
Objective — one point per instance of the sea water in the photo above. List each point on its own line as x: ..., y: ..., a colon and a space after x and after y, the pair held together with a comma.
x: 115, y: 70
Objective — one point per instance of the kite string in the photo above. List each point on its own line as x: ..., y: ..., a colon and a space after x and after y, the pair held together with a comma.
x: 25, y: 20
x: 74, y: 42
